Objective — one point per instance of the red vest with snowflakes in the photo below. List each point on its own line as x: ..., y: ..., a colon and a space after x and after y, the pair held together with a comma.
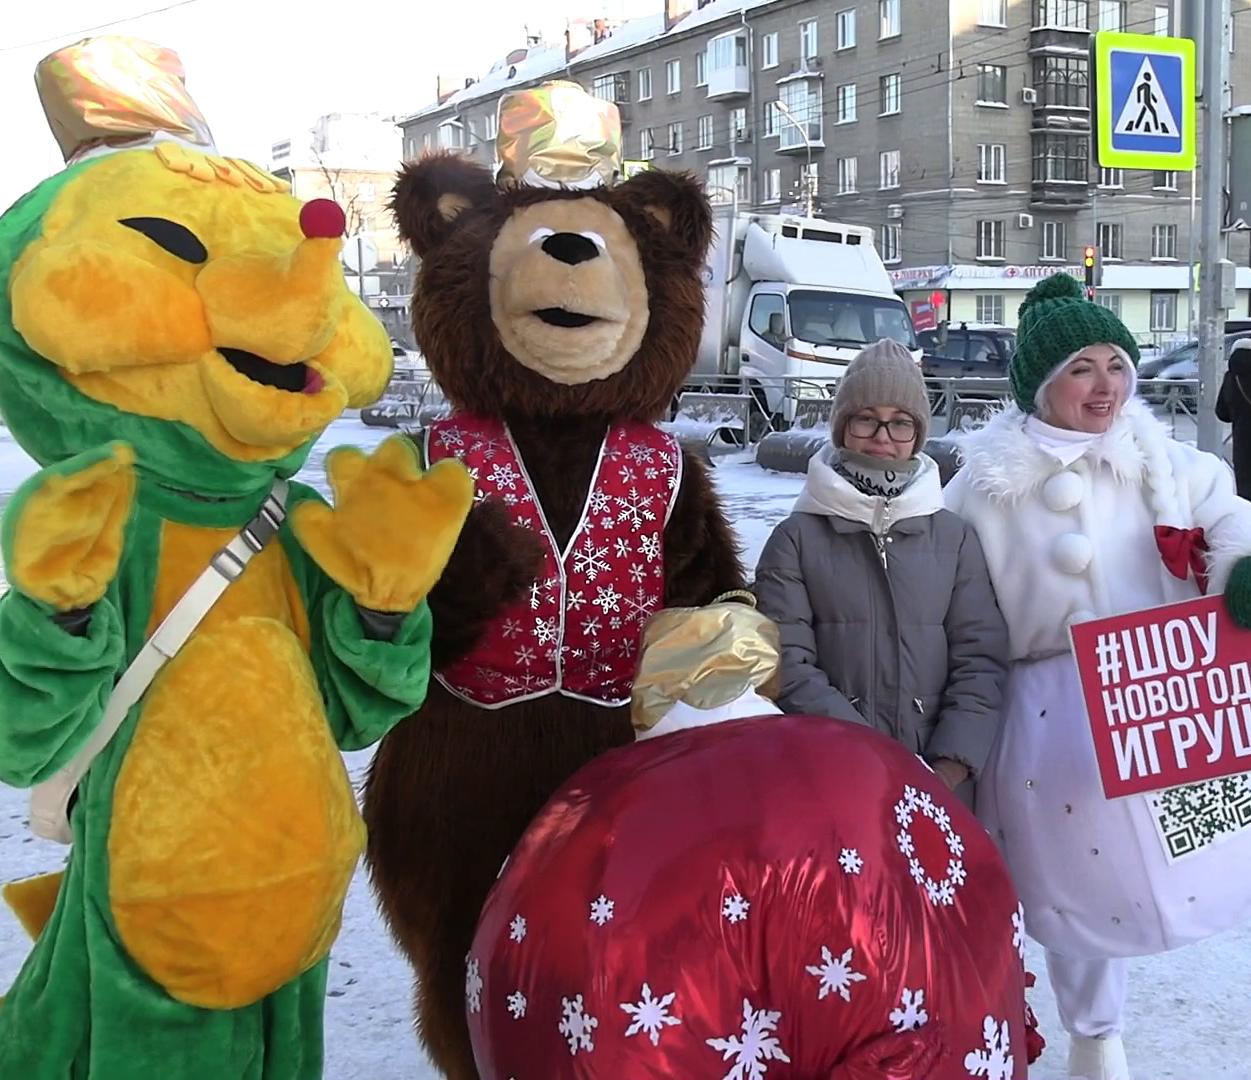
x: 578, y: 629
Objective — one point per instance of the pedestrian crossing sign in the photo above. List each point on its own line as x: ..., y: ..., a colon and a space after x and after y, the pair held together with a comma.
x: 1144, y: 101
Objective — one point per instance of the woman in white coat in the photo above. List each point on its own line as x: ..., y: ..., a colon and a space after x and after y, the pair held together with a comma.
x: 1065, y: 489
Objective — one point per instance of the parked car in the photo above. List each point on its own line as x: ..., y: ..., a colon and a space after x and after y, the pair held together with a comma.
x: 1178, y: 365
x: 970, y: 350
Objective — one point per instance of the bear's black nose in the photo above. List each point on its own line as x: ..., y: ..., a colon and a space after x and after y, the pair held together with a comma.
x: 571, y: 248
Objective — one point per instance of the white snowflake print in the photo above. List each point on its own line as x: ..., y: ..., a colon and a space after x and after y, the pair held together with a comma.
x: 633, y: 510
x: 517, y: 1005
x: 756, y: 1047
x: 511, y: 628
x: 575, y: 601
x: 850, y: 861
x: 576, y: 1025
x: 628, y: 475
x: 637, y: 573
x: 649, y: 547
x: 591, y: 627
x: 589, y: 560
x: 994, y: 1059
x: 642, y: 455
x: 639, y: 606
x: 600, y: 501
x: 546, y: 631
x: 517, y: 929
x: 607, y: 598
x: 524, y: 656
x: 650, y: 1014
x: 955, y: 845
x: 910, y: 1015
x: 940, y: 893
x: 622, y: 548
x: 836, y: 975
x: 602, y: 910
x: 904, y: 840
x: 504, y: 477
x: 1018, y: 930
x: 956, y: 872
x: 734, y: 909
x: 450, y: 438
x: 473, y: 987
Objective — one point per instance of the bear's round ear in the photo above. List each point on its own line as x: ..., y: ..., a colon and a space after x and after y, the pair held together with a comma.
x: 431, y: 193
x: 676, y: 201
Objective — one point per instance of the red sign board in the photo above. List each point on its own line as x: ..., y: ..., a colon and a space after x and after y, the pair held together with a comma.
x: 924, y: 315
x: 1168, y: 694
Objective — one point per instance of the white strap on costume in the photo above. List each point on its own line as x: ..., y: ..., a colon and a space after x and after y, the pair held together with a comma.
x: 49, y: 801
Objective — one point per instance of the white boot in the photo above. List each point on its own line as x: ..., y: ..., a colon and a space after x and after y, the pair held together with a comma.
x: 1097, y: 1059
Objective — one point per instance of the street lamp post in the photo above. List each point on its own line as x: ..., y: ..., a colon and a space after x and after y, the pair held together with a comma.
x: 790, y: 118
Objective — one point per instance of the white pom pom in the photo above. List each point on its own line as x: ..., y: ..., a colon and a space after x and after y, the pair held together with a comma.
x: 1072, y: 553
x: 1063, y: 491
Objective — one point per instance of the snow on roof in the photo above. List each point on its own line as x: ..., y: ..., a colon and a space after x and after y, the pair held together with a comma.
x: 547, y: 60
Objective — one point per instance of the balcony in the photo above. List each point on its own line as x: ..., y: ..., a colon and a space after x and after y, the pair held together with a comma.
x: 729, y: 74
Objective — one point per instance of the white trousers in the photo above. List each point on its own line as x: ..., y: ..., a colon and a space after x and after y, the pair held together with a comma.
x: 1090, y: 994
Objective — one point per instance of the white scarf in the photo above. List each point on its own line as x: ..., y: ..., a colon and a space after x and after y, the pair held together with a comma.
x: 1062, y: 444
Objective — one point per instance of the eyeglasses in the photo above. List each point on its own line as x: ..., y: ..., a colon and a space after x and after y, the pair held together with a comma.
x: 900, y: 430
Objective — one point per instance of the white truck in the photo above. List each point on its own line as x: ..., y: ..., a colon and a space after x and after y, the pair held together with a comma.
x: 791, y: 300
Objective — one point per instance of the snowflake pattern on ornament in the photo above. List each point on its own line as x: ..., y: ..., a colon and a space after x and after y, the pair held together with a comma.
x: 1018, y: 931
x: 850, y: 861
x: 751, y: 1051
x: 910, y: 1015
x: 576, y: 1025
x: 940, y: 893
x: 993, y: 1060
x: 473, y: 987
x: 517, y: 1005
x: 734, y: 909
x: 651, y: 1015
x: 602, y: 910
x: 517, y: 929
x: 835, y: 975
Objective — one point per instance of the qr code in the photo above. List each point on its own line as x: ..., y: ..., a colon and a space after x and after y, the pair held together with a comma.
x: 1191, y: 818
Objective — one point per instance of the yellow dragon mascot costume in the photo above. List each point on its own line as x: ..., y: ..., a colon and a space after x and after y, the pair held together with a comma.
x: 189, y: 638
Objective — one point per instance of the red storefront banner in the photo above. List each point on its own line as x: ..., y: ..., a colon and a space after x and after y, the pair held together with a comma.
x: 1168, y: 694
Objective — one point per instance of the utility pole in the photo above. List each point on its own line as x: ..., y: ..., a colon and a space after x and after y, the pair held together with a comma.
x: 1215, y: 285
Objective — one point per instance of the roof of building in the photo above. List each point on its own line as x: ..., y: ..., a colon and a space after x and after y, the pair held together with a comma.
x: 544, y: 61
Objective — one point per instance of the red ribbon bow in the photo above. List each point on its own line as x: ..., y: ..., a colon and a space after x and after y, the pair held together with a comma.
x: 1183, y: 551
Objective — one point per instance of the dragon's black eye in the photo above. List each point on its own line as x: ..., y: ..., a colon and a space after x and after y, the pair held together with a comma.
x: 177, y: 239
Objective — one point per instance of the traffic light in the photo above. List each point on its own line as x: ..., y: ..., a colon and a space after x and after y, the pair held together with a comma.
x: 1090, y: 260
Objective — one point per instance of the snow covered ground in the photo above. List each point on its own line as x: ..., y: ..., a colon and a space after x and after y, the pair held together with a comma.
x: 1188, y: 1013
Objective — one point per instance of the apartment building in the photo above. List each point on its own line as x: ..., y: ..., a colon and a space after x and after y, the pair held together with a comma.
x: 959, y: 129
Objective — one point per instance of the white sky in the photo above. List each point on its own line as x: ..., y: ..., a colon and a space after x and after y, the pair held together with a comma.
x: 262, y: 69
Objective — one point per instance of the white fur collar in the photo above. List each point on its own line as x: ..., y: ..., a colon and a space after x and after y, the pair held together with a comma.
x: 826, y: 492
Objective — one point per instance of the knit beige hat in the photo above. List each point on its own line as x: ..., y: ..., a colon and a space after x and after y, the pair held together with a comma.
x: 884, y: 374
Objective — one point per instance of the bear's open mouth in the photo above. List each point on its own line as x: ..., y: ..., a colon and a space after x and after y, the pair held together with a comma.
x: 555, y: 316
x: 294, y: 378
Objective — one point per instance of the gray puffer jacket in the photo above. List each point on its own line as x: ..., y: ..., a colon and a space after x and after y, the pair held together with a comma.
x: 887, y: 614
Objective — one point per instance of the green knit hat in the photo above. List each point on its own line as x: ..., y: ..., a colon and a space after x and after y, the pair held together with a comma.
x: 1055, y: 321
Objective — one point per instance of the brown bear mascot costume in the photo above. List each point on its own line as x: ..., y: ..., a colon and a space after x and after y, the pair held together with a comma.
x: 559, y: 314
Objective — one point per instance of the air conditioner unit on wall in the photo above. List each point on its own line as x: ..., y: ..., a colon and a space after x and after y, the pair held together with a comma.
x: 1029, y: 96
x: 1025, y: 221
x: 894, y: 212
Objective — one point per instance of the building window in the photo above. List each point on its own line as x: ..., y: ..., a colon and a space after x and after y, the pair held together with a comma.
x: 802, y: 98
x: 647, y: 144
x: 1112, y: 17
x: 1111, y: 301
x: 1063, y: 81
x: 991, y: 163
x: 847, y: 175
x: 772, y: 179
x: 451, y: 136
x: 772, y: 120
x: 1161, y: 20
x: 992, y: 84
x: 890, y: 243
x: 1054, y: 240
x: 889, y: 92
x: 769, y: 50
x: 675, y: 138
x: 1111, y: 178
x: 425, y: 141
x: 1164, y: 181
x: 615, y: 87
x: 726, y: 179
x: 738, y: 124
x: 888, y: 169
x: 701, y: 68
x: 1061, y: 157
x: 847, y: 103
x: 490, y: 127
x: 704, y: 133
x: 1164, y: 242
x: 888, y: 19
x: 993, y: 13
x: 808, y: 39
x: 845, y: 29
x: 1163, y: 311
x: 1070, y: 14
x: 645, y: 84
x: 673, y: 77
x: 990, y: 305
x: 990, y: 239
x: 1109, y: 236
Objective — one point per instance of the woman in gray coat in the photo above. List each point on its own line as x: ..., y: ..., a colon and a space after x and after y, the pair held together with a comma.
x: 885, y: 606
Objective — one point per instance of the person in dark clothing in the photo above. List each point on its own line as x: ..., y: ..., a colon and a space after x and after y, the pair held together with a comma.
x: 1233, y: 406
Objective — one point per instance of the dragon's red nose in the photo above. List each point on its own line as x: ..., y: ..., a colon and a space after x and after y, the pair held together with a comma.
x: 322, y: 219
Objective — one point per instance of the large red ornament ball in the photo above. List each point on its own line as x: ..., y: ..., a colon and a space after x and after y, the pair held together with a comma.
x: 764, y: 899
